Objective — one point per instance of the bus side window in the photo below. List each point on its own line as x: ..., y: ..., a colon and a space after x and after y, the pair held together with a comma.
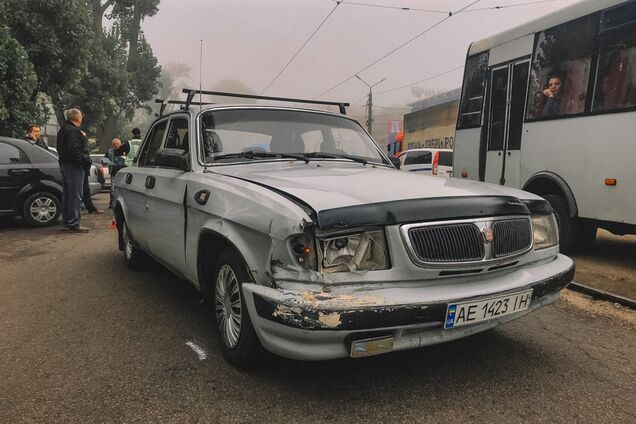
x: 561, y: 69
x: 472, y: 100
x: 616, y: 75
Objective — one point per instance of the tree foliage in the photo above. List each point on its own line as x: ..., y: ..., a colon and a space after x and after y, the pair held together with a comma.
x: 54, y: 34
x: 135, y: 64
x: 19, y: 81
x: 105, y: 90
x: 60, y: 48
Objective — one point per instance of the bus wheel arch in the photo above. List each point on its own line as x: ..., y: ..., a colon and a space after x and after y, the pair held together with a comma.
x: 546, y: 182
x: 574, y: 233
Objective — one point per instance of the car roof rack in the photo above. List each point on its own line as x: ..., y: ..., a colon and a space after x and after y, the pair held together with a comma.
x: 192, y: 92
x: 166, y: 102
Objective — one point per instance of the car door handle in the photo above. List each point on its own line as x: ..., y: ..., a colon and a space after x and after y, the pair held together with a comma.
x: 150, y: 181
x: 18, y: 171
x: 129, y: 178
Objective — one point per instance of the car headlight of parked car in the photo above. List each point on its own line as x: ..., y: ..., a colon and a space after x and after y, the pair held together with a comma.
x: 546, y: 231
x: 360, y: 251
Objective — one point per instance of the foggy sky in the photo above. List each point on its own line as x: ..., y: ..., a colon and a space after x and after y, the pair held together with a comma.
x: 251, y: 41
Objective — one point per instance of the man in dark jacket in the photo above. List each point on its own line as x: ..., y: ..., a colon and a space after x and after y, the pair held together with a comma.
x: 34, y: 136
x: 74, y: 158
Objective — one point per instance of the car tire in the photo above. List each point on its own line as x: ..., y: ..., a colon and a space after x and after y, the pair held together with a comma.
x: 237, y: 337
x: 41, y: 209
x: 135, y: 257
x: 568, y: 227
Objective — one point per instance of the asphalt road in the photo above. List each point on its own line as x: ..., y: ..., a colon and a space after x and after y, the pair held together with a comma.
x: 84, y: 339
x: 609, y: 264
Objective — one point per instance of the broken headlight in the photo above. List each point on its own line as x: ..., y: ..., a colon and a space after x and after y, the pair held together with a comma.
x: 364, y: 251
x: 546, y: 231
x: 303, y: 251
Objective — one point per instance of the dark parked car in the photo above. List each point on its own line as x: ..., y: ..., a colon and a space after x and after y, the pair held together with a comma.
x: 31, y: 182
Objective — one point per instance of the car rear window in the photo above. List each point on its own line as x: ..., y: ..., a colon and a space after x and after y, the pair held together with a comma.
x: 445, y: 159
x: 414, y: 158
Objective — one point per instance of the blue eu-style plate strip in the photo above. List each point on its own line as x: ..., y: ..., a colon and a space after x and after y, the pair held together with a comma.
x: 450, y: 316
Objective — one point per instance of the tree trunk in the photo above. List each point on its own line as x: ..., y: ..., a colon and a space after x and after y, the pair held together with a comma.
x: 98, y: 10
x: 106, y: 133
x: 133, y: 38
x: 58, y: 107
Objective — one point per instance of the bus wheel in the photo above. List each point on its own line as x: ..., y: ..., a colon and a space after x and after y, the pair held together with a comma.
x: 587, y: 234
x: 568, y: 234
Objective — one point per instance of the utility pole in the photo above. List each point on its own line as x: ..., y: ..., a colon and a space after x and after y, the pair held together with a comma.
x: 370, y: 104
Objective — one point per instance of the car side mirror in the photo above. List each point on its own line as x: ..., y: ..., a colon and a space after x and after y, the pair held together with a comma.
x: 173, y: 158
x: 395, y: 161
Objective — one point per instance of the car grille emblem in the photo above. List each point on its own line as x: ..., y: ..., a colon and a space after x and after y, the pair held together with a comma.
x: 488, y: 235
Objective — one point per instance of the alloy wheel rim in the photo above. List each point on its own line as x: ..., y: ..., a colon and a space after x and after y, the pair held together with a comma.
x: 227, y: 305
x: 128, y: 247
x: 43, y: 209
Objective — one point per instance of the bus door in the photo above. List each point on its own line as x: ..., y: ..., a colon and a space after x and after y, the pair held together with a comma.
x: 507, y: 102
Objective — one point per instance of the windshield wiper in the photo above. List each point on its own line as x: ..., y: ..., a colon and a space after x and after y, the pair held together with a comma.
x: 336, y: 156
x: 257, y: 154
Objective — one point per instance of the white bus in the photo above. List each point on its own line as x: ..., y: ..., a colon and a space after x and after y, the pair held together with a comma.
x: 550, y: 107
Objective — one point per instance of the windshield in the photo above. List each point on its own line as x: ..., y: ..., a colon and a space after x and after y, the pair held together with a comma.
x: 258, y: 134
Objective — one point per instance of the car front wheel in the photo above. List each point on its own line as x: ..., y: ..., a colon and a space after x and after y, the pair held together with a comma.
x: 41, y: 209
x: 239, y: 342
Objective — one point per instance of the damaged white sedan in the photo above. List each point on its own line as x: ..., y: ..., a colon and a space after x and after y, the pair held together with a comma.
x: 310, y: 244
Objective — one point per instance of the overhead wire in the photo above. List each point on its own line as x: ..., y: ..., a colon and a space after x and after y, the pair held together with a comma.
x: 408, y: 9
x: 404, y: 44
x: 302, y: 47
x: 509, y: 5
x: 420, y: 81
x: 458, y: 67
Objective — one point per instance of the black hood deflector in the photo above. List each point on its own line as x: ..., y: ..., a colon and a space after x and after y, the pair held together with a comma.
x: 421, y: 210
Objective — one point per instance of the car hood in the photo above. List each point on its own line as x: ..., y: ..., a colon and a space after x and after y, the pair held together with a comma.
x: 325, y: 185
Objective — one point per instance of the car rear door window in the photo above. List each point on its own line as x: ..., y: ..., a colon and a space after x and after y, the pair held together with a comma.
x: 155, y: 138
x: 417, y: 158
x: 12, y: 155
x: 445, y: 159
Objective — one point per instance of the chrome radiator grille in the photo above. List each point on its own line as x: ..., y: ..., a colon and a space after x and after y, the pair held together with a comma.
x: 447, y: 243
x: 511, y: 236
x: 468, y: 242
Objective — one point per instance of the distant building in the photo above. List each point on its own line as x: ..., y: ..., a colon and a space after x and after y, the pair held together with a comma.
x: 432, y: 122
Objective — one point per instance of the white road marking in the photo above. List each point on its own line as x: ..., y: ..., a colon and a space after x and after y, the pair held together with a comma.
x: 198, y: 350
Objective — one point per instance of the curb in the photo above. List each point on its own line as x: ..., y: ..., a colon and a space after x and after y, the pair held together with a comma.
x: 602, y: 295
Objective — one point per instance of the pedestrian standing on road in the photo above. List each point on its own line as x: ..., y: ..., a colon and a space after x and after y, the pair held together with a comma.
x: 86, y: 190
x: 34, y: 136
x: 116, y: 158
x: 135, y: 144
x: 74, y: 158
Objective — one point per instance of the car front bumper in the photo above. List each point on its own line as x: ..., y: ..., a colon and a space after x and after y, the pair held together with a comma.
x: 307, y: 325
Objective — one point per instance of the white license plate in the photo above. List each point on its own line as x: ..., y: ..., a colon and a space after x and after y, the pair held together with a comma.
x: 458, y: 314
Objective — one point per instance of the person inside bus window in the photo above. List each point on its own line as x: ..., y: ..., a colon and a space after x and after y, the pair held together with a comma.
x: 552, y: 96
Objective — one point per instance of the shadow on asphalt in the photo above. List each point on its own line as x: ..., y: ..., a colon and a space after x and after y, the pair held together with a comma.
x: 10, y: 223
x: 486, y: 357
x: 615, y: 249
